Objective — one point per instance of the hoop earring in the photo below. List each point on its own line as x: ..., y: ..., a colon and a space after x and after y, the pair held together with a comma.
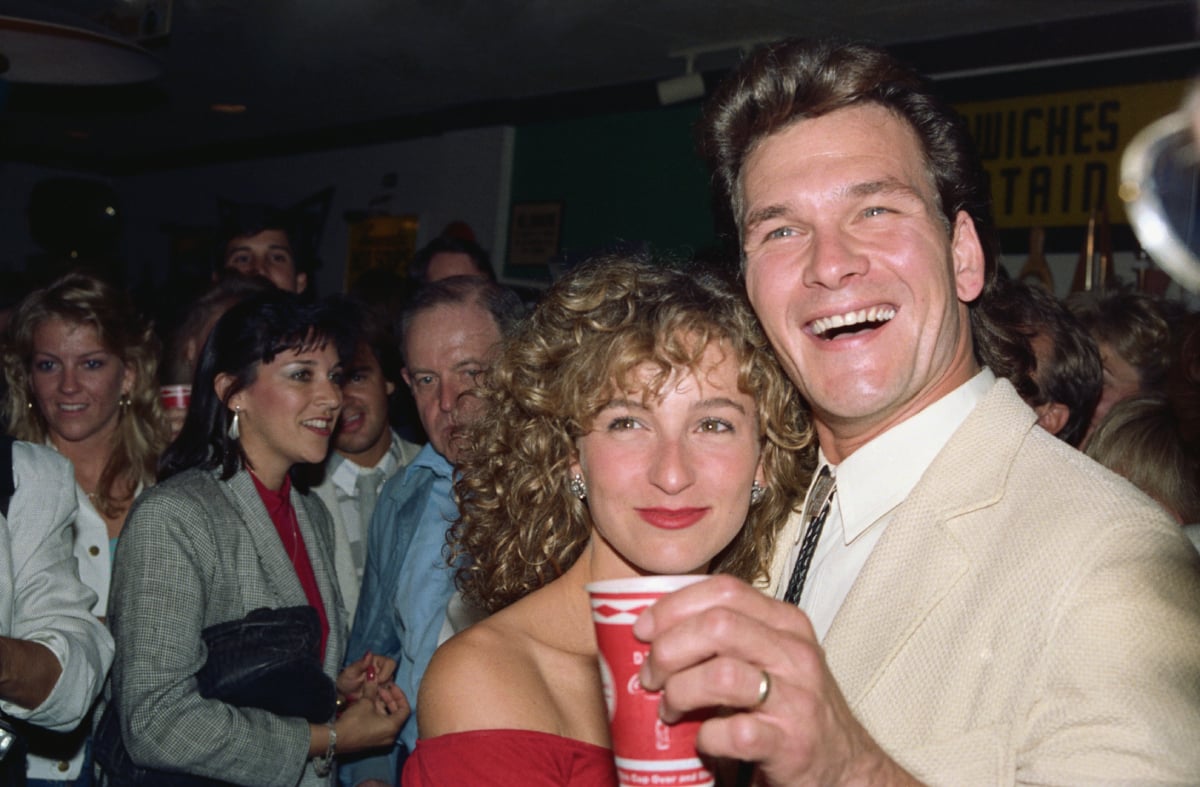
x: 234, y: 432
x: 757, y: 492
x: 578, y: 487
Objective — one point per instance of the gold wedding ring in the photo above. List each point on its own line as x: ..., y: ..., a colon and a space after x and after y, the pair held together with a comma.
x: 764, y: 690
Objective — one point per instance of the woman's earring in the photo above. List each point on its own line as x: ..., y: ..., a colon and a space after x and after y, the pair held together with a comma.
x: 756, y: 493
x: 234, y: 432
x: 578, y: 488
x: 123, y: 402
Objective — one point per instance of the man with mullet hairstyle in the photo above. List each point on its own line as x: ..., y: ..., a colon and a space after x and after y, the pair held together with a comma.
x: 965, y: 600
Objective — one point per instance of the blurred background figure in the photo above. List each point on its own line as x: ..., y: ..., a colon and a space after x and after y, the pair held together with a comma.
x: 81, y: 366
x: 279, y: 245
x: 366, y: 450
x: 1133, y: 333
x: 448, y: 256
x: 1140, y: 439
x: 1046, y: 354
x: 183, y: 348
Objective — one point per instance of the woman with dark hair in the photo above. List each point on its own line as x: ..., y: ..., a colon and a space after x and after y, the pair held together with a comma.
x: 227, y: 532
x: 636, y: 424
x: 80, y: 367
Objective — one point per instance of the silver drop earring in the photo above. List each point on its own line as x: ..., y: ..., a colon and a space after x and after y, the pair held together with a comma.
x: 578, y: 488
x: 756, y: 493
x: 234, y: 432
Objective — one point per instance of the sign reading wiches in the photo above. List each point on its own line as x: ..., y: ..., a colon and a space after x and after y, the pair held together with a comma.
x: 1053, y: 158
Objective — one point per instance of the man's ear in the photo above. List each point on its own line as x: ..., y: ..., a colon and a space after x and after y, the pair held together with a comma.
x: 406, y: 377
x: 1052, y: 416
x: 967, y: 255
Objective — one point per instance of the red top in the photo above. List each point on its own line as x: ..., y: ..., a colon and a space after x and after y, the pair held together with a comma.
x: 283, y: 516
x: 508, y: 758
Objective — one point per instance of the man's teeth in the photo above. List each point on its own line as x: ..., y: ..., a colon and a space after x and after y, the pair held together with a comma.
x: 875, y: 314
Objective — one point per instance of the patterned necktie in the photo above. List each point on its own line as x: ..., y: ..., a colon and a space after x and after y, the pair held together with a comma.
x: 815, y: 513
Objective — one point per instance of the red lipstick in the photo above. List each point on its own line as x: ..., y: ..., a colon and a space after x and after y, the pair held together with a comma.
x: 672, y: 518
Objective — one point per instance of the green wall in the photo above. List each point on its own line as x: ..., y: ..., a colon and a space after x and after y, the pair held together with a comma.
x: 628, y: 177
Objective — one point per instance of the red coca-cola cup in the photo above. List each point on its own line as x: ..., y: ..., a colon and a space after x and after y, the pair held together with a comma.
x: 647, y: 750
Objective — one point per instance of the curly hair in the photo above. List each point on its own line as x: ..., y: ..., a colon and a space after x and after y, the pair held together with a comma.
x: 82, y: 299
x: 519, y: 525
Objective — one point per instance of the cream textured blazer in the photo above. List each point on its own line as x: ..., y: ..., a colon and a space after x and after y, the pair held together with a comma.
x: 1027, y: 618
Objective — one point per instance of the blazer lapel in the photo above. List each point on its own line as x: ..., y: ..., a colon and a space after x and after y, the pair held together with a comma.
x: 276, y: 565
x: 920, y: 557
x: 320, y: 557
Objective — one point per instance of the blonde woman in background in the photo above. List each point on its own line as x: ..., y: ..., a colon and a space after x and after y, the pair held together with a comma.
x: 81, y: 367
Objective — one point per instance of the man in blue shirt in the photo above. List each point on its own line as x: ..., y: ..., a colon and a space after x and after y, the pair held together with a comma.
x: 449, y: 334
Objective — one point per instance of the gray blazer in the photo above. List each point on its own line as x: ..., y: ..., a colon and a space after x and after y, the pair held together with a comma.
x: 198, y: 551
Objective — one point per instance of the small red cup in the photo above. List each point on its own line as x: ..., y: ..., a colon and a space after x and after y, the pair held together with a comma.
x: 647, y: 750
x: 175, y: 397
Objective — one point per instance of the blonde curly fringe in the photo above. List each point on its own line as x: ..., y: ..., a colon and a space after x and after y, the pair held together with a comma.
x: 82, y: 299
x: 519, y: 526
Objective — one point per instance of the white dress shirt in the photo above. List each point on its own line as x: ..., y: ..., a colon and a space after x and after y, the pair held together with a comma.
x: 339, y: 492
x: 871, y: 482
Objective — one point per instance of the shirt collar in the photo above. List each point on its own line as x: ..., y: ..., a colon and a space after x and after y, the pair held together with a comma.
x: 344, y: 472
x: 880, y: 475
x: 428, y: 457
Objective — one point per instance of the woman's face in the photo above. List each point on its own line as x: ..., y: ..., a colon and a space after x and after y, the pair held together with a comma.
x: 668, y: 481
x: 77, y: 382
x: 287, y: 414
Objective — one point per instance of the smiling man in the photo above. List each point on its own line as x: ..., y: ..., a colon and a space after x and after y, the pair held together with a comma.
x: 366, y: 451
x: 966, y: 600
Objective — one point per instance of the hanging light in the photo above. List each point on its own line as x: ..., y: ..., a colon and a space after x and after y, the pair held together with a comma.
x: 38, y: 49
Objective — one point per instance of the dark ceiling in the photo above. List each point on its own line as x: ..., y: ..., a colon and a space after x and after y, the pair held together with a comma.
x: 318, y: 73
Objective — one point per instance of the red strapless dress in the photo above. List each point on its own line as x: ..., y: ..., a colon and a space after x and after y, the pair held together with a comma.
x: 508, y: 758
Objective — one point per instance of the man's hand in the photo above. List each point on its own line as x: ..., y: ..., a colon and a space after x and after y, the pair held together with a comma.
x: 28, y: 672
x: 712, y: 643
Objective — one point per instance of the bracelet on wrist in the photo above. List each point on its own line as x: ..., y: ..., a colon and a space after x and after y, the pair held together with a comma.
x: 324, y: 763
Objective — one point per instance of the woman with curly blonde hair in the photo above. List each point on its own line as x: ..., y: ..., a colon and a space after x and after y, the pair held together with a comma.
x: 638, y: 423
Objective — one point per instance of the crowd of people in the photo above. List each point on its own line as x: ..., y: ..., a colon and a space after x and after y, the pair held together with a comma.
x: 229, y: 559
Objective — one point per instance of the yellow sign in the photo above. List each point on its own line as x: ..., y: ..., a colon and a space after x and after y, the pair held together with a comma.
x: 1052, y: 159
x: 381, y: 242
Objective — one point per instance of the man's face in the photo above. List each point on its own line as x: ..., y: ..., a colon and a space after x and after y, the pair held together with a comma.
x: 445, y: 350
x: 850, y: 267
x: 269, y: 255
x: 445, y: 264
x: 363, y: 434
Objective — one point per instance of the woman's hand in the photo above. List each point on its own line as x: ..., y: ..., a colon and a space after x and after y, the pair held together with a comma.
x: 370, y: 669
x: 374, y: 721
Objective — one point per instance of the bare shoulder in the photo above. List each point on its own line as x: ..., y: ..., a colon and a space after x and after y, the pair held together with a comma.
x: 485, y: 677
